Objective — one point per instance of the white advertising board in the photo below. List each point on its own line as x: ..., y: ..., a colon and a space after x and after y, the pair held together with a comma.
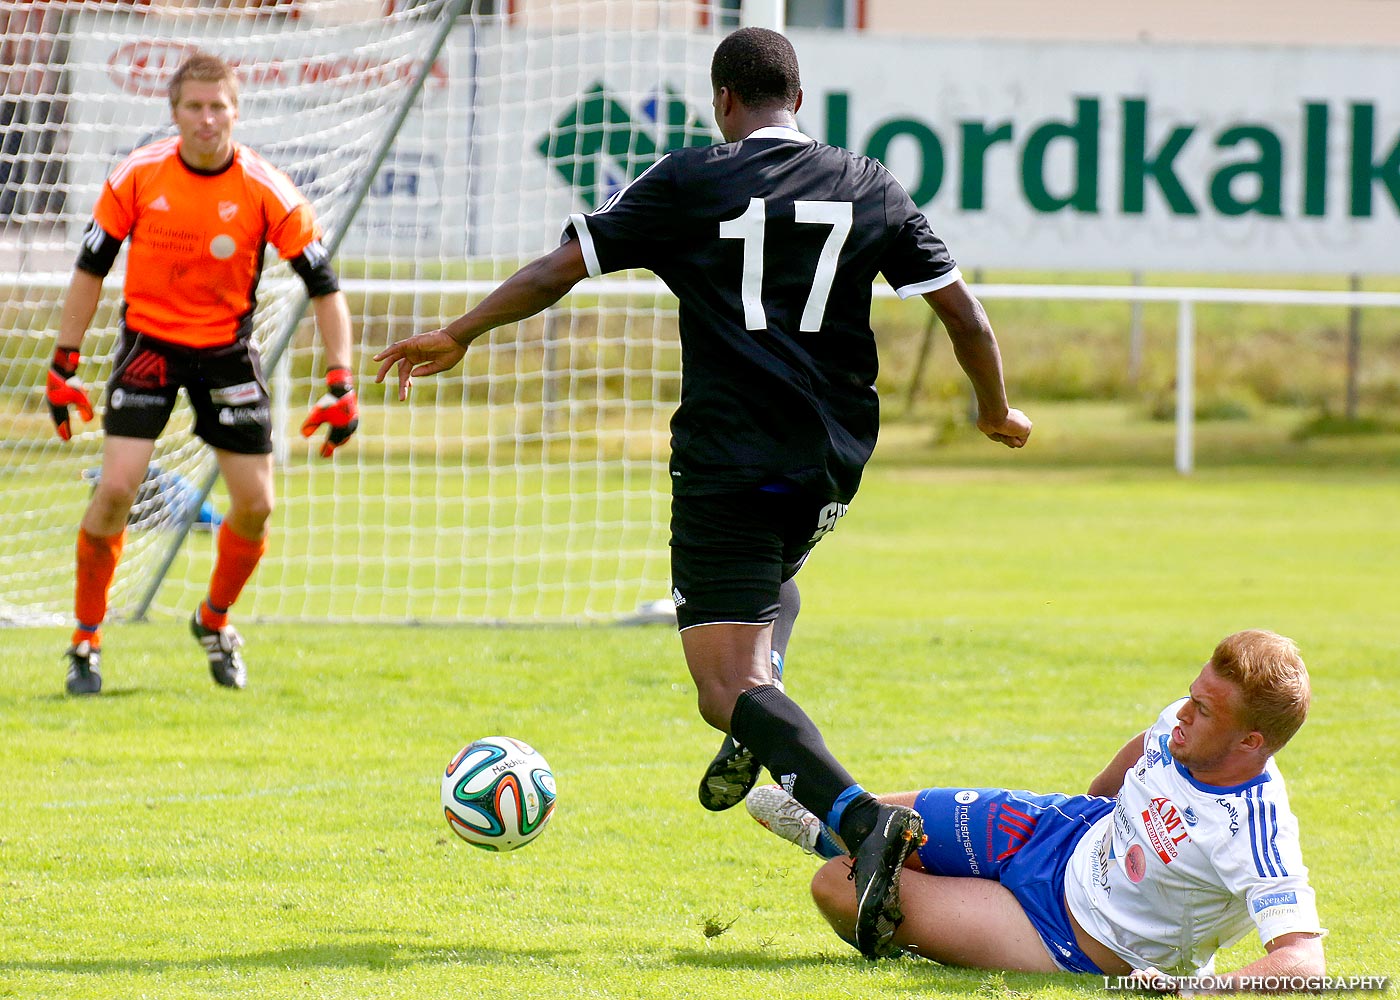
x: 1112, y: 156
x: 1044, y: 156
x: 415, y: 205
x: 1052, y: 156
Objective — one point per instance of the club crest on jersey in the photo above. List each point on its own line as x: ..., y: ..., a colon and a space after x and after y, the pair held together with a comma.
x: 1135, y: 864
x: 227, y: 210
x: 1165, y: 829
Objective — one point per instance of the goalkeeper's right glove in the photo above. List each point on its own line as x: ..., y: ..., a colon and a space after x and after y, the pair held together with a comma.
x: 338, y: 408
x: 66, y: 389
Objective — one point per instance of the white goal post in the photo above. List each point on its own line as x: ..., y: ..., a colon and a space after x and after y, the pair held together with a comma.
x: 529, y: 485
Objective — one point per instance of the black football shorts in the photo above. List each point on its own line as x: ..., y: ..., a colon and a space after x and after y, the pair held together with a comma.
x: 731, y: 552
x: 225, y: 385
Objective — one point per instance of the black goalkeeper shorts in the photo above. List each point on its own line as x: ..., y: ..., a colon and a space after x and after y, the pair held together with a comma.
x: 225, y: 385
x: 731, y: 552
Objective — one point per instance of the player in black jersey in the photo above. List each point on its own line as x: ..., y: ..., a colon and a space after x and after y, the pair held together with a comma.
x: 771, y: 242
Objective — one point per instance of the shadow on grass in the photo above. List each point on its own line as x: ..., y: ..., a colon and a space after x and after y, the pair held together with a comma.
x: 390, y: 956
x: 107, y: 694
x: 387, y: 955
x: 754, y: 960
x: 922, y: 974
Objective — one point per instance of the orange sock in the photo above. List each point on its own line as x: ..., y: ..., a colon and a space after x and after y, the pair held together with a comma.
x: 97, y: 565
x: 237, y: 558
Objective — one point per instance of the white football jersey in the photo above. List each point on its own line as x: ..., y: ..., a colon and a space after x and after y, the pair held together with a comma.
x: 1180, y: 869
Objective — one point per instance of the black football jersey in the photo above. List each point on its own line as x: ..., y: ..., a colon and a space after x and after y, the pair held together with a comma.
x: 771, y: 245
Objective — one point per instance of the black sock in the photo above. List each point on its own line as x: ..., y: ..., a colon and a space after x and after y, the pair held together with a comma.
x: 788, y: 743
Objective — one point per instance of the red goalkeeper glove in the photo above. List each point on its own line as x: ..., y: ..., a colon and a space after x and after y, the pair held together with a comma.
x: 65, y: 389
x: 338, y: 408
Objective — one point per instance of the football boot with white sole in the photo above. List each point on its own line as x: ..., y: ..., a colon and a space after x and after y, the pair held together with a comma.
x: 777, y: 811
x: 221, y: 646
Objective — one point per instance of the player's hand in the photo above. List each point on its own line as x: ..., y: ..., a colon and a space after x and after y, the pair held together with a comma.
x: 422, y: 354
x: 65, y: 389
x: 1011, y: 430
x: 1153, y: 980
x: 338, y: 408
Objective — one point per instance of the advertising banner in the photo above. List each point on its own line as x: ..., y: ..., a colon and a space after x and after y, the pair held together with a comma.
x: 1040, y: 156
x: 316, y: 117
x: 1127, y: 156
x: 1045, y: 156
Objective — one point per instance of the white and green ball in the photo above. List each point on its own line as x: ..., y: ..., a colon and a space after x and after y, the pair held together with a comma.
x: 498, y: 793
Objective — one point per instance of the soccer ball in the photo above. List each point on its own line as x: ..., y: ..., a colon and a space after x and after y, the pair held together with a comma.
x: 498, y: 793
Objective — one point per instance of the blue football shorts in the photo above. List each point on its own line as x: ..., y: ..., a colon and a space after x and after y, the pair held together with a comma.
x: 1020, y: 839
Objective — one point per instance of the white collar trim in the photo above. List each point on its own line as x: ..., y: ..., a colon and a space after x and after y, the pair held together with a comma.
x: 779, y: 132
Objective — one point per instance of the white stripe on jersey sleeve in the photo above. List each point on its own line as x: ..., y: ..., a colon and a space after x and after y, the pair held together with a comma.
x: 932, y: 285
x: 271, y: 178
x: 585, y: 239
x: 623, y: 190
x: 93, y: 236
x: 149, y: 153
x: 316, y: 253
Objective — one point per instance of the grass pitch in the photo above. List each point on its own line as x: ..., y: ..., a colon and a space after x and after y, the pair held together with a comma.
x: 1000, y: 625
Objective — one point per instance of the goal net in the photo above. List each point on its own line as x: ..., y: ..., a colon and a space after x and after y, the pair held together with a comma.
x: 529, y: 484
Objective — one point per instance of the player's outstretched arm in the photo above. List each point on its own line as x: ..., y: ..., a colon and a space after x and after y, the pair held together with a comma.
x: 975, y: 346
x: 535, y: 287
x: 1293, y: 963
x: 1110, y: 780
x: 1291, y: 957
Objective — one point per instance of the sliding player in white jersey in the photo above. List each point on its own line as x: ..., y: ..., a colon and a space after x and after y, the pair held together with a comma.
x: 1185, y: 842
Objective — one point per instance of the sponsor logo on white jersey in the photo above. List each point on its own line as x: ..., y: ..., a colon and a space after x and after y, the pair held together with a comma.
x: 1165, y: 828
x: 1234, y: 813
x: 1273, y: 899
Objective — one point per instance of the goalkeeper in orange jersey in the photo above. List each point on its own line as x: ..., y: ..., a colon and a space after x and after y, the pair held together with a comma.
x: 198, y: 209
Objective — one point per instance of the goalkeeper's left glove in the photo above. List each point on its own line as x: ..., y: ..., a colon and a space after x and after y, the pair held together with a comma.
x: 65, y: 389
x: 337, y: 408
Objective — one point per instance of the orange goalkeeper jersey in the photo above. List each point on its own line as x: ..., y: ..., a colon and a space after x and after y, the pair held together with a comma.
x: 197, y: 239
